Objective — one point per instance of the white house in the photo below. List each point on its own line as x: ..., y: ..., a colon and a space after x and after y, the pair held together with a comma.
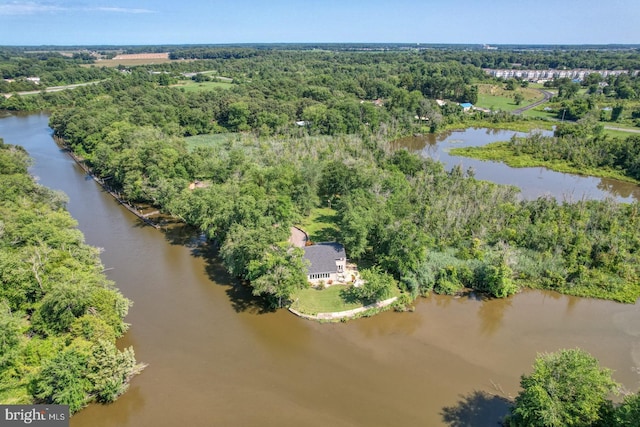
x: 327, y: 262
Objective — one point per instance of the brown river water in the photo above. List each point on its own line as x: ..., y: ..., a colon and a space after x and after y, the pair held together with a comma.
x: 216, y: 358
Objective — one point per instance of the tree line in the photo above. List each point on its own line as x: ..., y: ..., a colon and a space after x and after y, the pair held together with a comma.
x: 59, y: 315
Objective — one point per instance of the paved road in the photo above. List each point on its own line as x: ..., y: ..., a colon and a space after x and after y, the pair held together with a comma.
x: 52, y: 89
x: 547, y: 96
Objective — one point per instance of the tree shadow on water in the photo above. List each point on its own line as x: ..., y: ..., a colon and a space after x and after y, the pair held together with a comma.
x: 477, y: 409
x: 239, y: 293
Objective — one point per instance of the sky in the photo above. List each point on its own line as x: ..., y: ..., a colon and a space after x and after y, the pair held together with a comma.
x: 141, y: 22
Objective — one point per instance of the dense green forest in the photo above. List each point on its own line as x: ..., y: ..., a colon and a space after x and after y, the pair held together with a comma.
x: 287, y: 132
x: 306, y: 129
x: 59, y: 315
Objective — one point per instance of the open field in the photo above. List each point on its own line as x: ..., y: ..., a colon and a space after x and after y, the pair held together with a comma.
x: 208, y: 140
x: 164, y: 55
x: 133, y: 60
x: 496, y: 97
x: 193, y: 86
x: 540, y: 113
x: 620, y: 130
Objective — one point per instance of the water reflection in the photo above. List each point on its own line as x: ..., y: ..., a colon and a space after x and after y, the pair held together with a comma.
x: 533, y: 182
x: 491, y: 314
x: 619, y: 189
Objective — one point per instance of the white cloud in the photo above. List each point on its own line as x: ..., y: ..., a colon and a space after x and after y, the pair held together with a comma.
x: 27, y: 8
x: 33, y: 8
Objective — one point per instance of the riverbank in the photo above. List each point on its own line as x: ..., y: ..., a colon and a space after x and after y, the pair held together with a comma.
x: 504, y: 152
x: 518, y: 125
x: 80, y: 162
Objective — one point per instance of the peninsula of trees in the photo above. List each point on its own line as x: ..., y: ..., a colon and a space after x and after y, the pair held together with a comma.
x: 298, y: 130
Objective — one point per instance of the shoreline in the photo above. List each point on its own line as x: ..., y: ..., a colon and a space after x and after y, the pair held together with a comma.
x: 343, y: 315
x: 144, y: 218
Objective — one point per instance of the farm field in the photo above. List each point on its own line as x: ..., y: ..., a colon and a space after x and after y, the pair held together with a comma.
x: 133, y: 60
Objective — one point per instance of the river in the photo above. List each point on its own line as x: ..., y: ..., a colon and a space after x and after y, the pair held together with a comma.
x: 217, y: 359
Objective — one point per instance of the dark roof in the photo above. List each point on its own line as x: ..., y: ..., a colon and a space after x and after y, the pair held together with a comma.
x: 323, y: 256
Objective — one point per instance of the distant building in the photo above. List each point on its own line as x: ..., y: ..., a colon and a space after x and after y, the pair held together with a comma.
x: 466, y: 106
x: 327, y: 261
x: 544, y: 75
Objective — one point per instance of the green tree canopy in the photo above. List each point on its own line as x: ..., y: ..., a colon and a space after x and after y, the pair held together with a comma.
x: 566, y: 388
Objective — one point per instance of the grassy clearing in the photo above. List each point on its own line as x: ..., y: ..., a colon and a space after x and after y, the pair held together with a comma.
x: 321, y: 225
x: 496, y: 97
x: 619, y: 133
x: 540, y: 113
x: 502, y: 152
x: 208, y: 140
x: 192, y: 86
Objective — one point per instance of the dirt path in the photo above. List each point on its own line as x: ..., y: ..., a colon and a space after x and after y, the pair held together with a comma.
x: 52, y: 89
x: 622, y: 129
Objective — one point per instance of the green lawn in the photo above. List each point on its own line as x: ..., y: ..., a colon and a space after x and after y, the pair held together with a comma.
x: 620, y: 133
x: 321, y: 225
x: 328, y: 300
